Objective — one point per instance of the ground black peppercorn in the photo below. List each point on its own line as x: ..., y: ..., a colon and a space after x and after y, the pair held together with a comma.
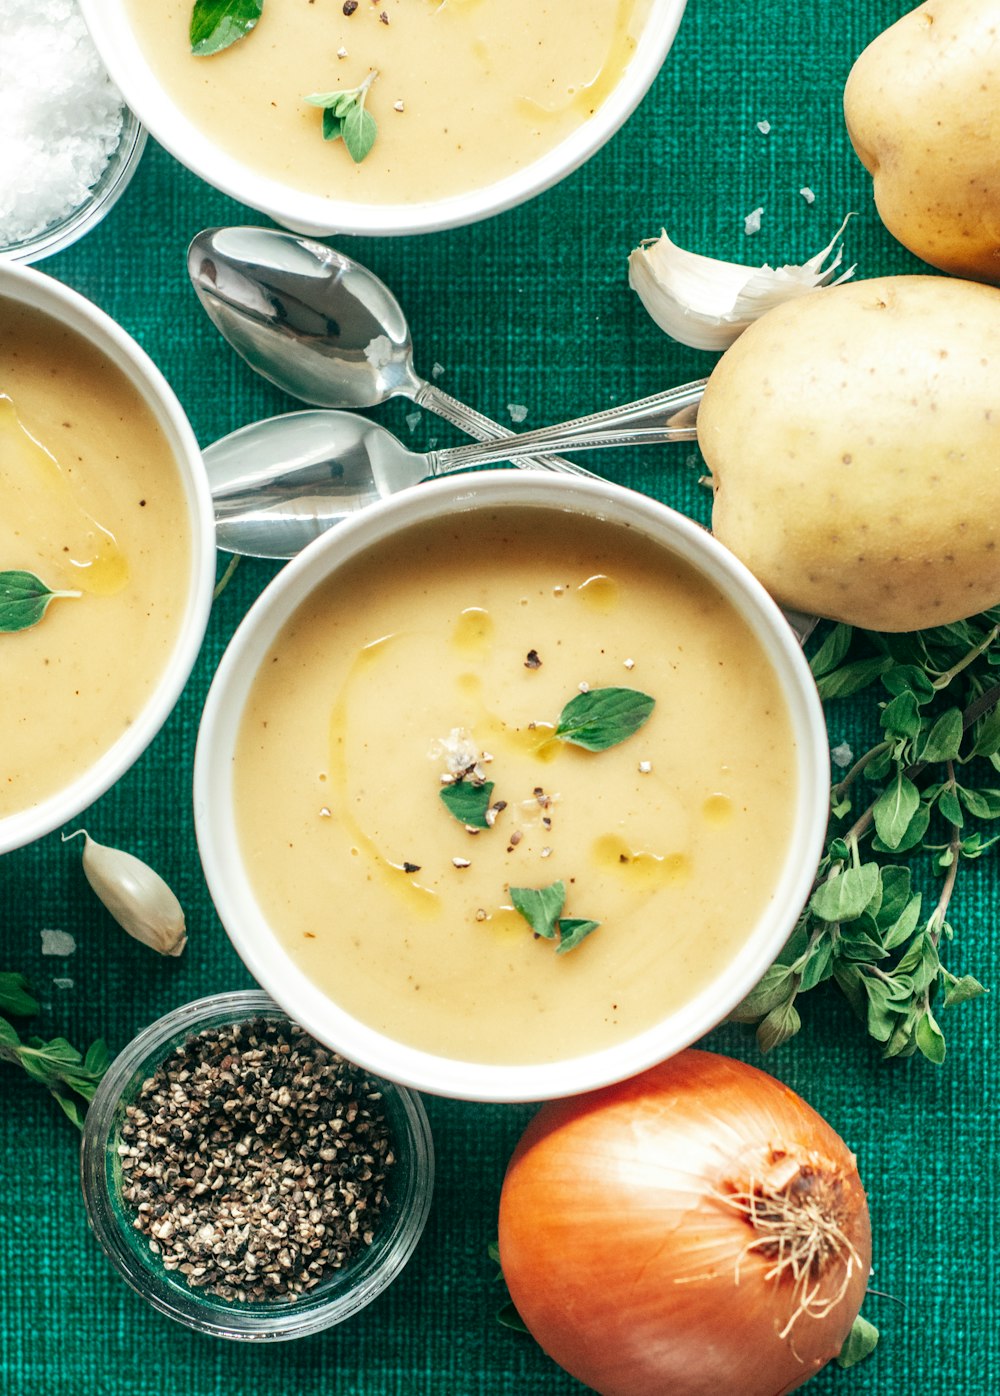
x: 256, y: 1161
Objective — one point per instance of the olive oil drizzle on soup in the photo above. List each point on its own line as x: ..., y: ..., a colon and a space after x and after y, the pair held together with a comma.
x: 672, y: 840
x: 468, y: 91
x: 90, y: 502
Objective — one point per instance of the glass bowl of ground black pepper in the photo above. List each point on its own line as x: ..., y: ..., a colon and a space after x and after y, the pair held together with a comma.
x: 249, y: 1182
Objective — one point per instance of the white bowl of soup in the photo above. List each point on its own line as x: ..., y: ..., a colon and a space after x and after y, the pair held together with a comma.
x: 475, y: 106
x: 411, y: 843
x: 107, y: 553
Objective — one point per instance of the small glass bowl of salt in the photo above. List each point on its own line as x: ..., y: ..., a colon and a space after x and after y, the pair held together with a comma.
x: 70, y: 143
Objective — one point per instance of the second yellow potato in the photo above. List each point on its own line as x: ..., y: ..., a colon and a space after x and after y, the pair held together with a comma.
x: 853, y: 437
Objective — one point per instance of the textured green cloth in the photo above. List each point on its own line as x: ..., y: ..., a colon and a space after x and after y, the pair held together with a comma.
x: 531, y: 307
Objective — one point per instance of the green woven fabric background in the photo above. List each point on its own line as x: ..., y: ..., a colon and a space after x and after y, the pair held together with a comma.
x: 531, y: 307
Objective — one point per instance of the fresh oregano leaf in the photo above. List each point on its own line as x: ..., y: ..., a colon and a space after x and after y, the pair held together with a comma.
x: 962, y: 990
x: 894, y: 809
x: 16, y: 999
x: 903, y: 927
x: 603, y: 717
x: 215, y: 24
x: 860, y: 1343
x: 359, y: 133
x: 913, y: 835
x: 950, y: 806
x: 901, y: 716
x: 909, y: 678
x: 844, y: 897
x: 573, y: 930
x: 24, y: 599
x: 541, y: 907
x: 930, y: 1039
x: 468, y: 802
x: 772, y: 990
x: 852, y: 678
x: 944, y: 738
x: 780, y: 1024
x: 818, y: 966
x: 981, y: 804
x: 832, y: 651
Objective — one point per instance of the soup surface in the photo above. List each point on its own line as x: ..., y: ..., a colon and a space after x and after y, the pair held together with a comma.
x: 91, y: 503
x: 467, y: 91
x: 463, y: 640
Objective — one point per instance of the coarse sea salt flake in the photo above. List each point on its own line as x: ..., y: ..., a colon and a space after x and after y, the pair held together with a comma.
x: 764, y: 127
x: 517, y: 411
x: 808, y: 194
x: 57, y: 942
x: 751, y: 224
x: 60, y: 114
x: 842, y: 755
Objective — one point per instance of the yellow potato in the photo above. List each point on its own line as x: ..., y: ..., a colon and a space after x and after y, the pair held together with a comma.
x: 923, y: 113
x: 853, y: 437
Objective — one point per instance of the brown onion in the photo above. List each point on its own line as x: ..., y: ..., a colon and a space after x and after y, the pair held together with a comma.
x: 698, y: 1230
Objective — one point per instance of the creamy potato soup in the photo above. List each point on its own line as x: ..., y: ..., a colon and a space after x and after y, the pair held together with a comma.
x: 466, y: 92
x: 444, y: 659
x: 92, y: 505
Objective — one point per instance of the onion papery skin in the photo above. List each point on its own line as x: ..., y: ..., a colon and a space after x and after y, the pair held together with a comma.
x: 630, y: 1267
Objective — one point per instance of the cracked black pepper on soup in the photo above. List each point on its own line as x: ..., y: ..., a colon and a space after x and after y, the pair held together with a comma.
x: 256, y: 1161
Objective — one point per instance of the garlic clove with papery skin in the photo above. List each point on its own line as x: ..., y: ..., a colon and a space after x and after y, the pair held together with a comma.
x: 136, y: 896
x: 706, y: 303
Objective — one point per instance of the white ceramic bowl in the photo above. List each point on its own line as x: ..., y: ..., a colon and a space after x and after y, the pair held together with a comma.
x: 122, y: 55
x: 227, y: 873
x: 33, y: 288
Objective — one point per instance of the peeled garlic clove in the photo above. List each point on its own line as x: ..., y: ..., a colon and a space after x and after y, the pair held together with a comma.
x: 706, y: 303
x: 135, y: 895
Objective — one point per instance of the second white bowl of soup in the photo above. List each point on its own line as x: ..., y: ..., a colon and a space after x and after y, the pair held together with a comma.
x: 107, y: 553
x: 511, y: 785
x: 460, y: 108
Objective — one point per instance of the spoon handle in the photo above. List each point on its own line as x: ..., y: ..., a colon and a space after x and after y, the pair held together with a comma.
x: 483, y: 428
x: 666, y: 416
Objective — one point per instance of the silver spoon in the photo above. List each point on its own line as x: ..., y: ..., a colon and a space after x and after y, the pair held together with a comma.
x: 320, y: 326
x: 279, y: 483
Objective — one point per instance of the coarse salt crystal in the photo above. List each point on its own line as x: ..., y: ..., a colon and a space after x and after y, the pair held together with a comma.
x: 808, y: 194
x: 751, y: 224
x: 764, y: 127
x: 62, y: 983
x: 437, y: 370
x: 842, y: 756
x: 378, y: 351
x: 60, y: 114
x: 517, y: 411
x: 412, y: 420
x: 57, y: 943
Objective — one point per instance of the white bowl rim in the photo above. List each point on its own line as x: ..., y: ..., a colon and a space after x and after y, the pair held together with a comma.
x: 42, y: 292
x: 226, y: 875
x: 124, y: 59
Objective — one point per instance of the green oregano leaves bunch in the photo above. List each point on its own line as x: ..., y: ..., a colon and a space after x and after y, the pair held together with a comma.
x: 71, y: 1076
x: 906, y: 815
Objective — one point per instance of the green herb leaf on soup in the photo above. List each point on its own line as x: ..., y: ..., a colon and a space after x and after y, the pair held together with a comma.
x: 216, y: 24
x: 346, y: 118
x: 24, y: 599
x: 603, y: 717
x: 573, y: 930
x: 541, y: 907
x: 468, y: 802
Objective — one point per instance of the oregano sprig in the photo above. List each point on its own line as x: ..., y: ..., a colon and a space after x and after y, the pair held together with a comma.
x: 929, y: 780
x: 345, y: 117
x: 70, y: 1076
